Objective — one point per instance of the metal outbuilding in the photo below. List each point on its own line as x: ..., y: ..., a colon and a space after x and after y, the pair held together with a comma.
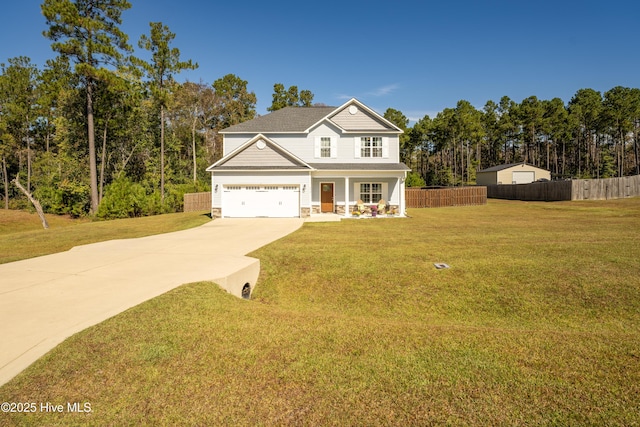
x: 513, y: 173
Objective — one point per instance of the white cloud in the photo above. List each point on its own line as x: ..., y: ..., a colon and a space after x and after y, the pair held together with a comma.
x: 377, y: 92
x: 384, y: 90
x: 344, y: 97
x: 414, y: 116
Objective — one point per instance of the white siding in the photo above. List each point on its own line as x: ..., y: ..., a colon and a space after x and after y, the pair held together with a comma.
x: 254, y: 156
x: 361, y: 120
x: 303, y: 145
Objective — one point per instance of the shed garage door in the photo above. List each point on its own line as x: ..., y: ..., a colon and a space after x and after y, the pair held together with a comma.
x: 524, y: 177
x: 250, y: 201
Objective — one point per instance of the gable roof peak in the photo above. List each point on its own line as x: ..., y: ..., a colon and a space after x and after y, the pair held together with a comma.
x: 304, y: 119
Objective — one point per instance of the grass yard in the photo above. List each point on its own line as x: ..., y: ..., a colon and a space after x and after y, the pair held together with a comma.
x: 22, y: 235
x: 537, y: 322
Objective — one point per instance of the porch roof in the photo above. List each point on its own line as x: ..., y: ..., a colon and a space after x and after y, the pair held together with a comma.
x: 392, y: 167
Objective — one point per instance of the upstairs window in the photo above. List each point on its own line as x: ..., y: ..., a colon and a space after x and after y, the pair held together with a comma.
x: 325, y: 146
x: 371, y: 146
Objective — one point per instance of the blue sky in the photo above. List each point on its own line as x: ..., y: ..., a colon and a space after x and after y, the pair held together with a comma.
x: 418, y: 57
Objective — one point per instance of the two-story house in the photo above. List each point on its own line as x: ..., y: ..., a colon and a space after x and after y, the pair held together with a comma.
x: 298, y: 161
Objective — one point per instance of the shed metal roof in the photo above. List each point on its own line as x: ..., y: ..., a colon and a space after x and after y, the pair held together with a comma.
x: 507, y: 166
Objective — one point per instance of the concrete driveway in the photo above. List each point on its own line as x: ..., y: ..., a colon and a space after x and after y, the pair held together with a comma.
x: 45, y: 300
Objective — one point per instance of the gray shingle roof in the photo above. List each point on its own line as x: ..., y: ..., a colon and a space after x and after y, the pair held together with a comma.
x: 360, y: 166
x: 256, y: 167
x: 288, y: 119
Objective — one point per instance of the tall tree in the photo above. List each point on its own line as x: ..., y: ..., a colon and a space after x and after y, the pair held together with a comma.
x: 490, y: 117
x: 165, y: 62
x: 619, y: 114
x: 397, y: 118
x: 87, y: 32
x: 289, y: 97
x: 508, y: 125
x: 55, y: 80
x: 635, y: 112
x: 531, y: 113
x: 194, y: 109
x: 585, y: 110
x: 444, y: 135
x: 19, y: 102
x: 468, y: 121
x: 418, y: 146
x: 555, y: 129
x: 6, y: 139
x: 237, y: 104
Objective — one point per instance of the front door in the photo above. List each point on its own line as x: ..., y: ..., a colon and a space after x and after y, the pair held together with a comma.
x: 326, y: 197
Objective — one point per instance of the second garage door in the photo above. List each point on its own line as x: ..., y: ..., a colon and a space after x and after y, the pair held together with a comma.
x: 250, y: 201
x: 523, y: 177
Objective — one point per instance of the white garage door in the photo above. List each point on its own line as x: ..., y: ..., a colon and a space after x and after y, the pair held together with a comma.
x: 524, y: 177
x: 249, y: 201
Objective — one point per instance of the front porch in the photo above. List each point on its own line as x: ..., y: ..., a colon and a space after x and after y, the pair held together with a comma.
x: 357, y: 191
x: 334, y: 217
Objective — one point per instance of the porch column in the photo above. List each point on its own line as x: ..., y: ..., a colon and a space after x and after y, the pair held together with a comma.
x: 402, y: 201
x: 346, y: 196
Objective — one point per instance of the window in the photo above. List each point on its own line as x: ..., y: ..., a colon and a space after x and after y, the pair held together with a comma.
x: 371, y: 146
x: 325, y: 146
x: 370, y: 192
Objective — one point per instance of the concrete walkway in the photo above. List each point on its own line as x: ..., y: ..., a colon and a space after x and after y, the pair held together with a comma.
x: 45, y: 300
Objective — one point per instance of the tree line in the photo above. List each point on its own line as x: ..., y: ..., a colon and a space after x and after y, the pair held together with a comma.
x: 100, y: 131
x: 594, y: 135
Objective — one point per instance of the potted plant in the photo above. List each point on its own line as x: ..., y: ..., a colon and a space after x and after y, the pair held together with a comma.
x: 374, y: 210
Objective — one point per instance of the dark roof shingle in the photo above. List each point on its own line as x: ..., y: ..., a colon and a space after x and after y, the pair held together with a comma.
x: 288, y: 119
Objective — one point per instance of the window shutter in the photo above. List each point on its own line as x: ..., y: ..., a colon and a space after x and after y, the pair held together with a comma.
x: 316, y: 147
x: 385, y: 192
x: 334, y: 147
x: 356, y: 141
x: 385, y: 147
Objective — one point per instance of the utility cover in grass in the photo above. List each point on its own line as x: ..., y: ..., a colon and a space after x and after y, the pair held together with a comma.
x: 441, y: 265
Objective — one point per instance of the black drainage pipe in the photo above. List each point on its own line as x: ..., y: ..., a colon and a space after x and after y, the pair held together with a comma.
x: 246, y: 291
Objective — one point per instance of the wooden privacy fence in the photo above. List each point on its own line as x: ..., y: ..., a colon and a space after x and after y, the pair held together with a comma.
x: 577, y: 189
x: 414, y: 197
x: 604, y: 189
x: 442, y: 197
x: 194, y: 202
x: 536, y: 191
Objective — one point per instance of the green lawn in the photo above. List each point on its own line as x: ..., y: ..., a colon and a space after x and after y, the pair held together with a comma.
x: 537, y: 322
x: 22, y: 235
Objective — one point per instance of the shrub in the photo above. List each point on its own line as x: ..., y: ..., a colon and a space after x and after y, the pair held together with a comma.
x: 123, y: 199
x: 65, y: 197
x: 414, y: 180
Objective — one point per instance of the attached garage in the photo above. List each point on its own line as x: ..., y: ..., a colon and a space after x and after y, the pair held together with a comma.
x: 250, y: 201
x: 514, y: 173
